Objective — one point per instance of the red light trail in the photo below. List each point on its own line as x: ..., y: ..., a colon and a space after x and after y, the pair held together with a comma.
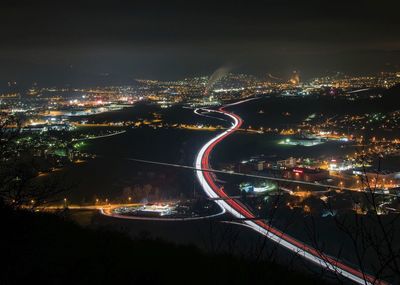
x: 237, y: 209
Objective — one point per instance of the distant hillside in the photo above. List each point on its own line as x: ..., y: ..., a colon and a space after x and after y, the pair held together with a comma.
x: 374, y: 100
x: 45, y: 249
x: 391, y: 98
x: 369, y: 101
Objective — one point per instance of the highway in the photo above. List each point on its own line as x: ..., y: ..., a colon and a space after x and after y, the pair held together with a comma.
x: 108, y: 210
x: 238, y: 210
x: 110, y: 213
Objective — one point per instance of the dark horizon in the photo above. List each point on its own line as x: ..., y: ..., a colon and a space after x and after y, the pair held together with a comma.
x: 114, y: 42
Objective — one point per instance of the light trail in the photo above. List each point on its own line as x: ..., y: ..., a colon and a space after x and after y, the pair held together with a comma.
x: 238, y: 210
x: 197, y: 112
x: 109, y: 212
x: 359, y: 90
x: 88, y: 207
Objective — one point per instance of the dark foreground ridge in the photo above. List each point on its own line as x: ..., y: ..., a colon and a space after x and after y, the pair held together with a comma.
x: 47, y: 249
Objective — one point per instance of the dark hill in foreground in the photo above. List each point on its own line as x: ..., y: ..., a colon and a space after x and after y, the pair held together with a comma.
x: 46, y: 249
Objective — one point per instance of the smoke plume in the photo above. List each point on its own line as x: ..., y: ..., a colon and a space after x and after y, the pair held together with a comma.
x: 215, y: 77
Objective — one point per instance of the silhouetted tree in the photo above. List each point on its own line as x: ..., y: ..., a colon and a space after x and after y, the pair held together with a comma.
x: 18, y: 187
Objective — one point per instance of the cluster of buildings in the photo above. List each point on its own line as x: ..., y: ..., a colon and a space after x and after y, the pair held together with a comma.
x: 194, y: 91
x: 337, y: 172
x: 342, y: 81
x: 290, y: 168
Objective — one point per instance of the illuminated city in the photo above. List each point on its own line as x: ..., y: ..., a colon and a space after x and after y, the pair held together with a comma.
x: 225, y: 143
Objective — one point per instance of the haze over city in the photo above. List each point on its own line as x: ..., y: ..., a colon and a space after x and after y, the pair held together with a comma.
x: 98, y: 42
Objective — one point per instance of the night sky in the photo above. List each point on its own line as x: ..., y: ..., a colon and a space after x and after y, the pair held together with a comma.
x: 94, y: 42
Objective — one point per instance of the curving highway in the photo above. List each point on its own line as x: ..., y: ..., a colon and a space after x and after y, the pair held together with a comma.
x: 110, y: 213
x: 238, y: 210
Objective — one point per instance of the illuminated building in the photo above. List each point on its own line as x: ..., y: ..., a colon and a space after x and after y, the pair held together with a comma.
x: 306, y: 174
x: 156, y: 209
x: 257, y: 188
